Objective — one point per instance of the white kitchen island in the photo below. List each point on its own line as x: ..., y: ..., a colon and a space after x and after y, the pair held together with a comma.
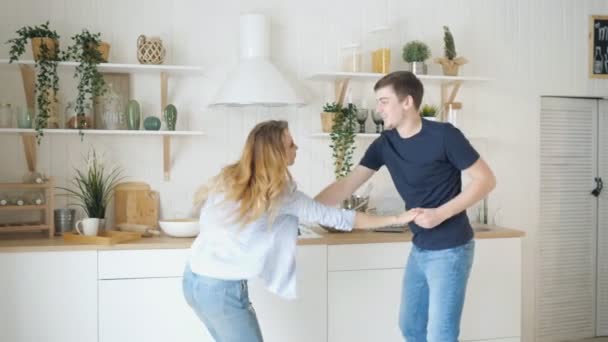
x: 348, y: 284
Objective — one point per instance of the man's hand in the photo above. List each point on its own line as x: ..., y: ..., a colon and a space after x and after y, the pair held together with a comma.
x: 429, y: 218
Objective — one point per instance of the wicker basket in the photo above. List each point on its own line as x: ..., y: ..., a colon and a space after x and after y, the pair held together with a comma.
x: 150, y: 50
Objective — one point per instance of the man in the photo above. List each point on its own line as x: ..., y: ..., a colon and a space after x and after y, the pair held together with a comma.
x: 425, y: 160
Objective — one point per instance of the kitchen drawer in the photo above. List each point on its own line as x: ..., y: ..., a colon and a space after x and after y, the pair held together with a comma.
x: 149, y: 263
x: 367, y: 256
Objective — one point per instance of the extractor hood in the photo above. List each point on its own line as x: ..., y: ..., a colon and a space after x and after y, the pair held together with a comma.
x: 256, y: 81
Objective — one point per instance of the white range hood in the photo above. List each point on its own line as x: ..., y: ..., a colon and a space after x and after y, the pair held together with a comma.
x: 256, y: 81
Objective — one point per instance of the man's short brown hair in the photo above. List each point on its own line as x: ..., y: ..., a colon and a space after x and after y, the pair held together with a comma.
x: 404, y: 83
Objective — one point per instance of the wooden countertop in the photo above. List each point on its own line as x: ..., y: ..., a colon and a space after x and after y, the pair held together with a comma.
x: 39, y: 243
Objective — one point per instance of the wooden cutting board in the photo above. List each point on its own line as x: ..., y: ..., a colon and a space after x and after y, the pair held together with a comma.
x: 135, y: 202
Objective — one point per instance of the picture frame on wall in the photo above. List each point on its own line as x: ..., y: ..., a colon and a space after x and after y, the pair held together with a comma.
x: 598, y: 46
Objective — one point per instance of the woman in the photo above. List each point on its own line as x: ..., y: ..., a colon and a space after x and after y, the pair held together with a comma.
x: 249, y: 224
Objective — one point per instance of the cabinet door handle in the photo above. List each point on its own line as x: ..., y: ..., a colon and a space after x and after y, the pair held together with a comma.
x: 599, y: 185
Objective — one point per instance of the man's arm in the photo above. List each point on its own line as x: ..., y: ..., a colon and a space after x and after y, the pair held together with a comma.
x: 483, y: 181
x: 341, y: 189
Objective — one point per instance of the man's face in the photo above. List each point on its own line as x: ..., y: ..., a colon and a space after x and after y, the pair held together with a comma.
x: 393, y: 111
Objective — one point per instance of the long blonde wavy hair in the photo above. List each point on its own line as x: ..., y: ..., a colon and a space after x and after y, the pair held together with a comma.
x: 258, y: 179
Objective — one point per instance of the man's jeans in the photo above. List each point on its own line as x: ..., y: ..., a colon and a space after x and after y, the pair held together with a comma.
x: 433, y: 292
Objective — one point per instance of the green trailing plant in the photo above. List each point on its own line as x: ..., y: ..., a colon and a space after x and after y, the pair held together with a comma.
x: 85, y: 50
x: 428, y: 111
x: 343, y: 140
x: 93, y: 187
x: 416, y: 51
x: 47, y: 80
x: 332, y: 107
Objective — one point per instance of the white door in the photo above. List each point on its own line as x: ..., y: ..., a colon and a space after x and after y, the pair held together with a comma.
x: 150, y: 310
x: 602, y: 266
x: 48, y: 296
x: 566, y: 253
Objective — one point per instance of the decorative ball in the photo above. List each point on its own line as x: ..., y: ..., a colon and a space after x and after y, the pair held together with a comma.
x: 152, y: 123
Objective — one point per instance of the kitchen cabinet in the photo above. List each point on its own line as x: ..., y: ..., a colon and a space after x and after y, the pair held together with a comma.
x: 140, y: 299
x: 305, y: 318
x: 364, y: 291
x: 48, y: 296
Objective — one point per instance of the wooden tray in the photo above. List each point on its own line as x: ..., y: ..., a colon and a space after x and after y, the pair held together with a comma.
x: 106, y: 237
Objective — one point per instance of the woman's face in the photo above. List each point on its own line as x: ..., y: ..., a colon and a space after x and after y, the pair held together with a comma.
x: 290, y: 147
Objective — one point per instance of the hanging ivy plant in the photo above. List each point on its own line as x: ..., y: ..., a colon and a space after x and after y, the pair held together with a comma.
x: 85, y: 50
x: 343, y: 140
x: 47, y: 80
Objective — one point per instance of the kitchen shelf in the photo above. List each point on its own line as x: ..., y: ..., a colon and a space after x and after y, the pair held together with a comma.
x: 372, y: 77
x: 28, y: 73
x: 122, y: 68
x: 23, y: 207
x: 47, y: 224
x: 100, y: 132
x: 375, y: 135
x: 450, y: 85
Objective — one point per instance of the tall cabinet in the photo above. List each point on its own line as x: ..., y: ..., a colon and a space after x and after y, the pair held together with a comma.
x: 572, y: 253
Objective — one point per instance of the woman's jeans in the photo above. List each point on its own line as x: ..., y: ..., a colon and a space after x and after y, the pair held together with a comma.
x: 433, y: 293
x: 223, y: 306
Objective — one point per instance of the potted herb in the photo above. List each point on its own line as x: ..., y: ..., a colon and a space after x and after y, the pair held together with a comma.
x: 45, y: 49
x: 429, y: 112
x: 330, y: 110
x: 415, y: 53
x: 343, y: 140
x: 88, y: 50
x: 450, y: 63
x: 93, y: 187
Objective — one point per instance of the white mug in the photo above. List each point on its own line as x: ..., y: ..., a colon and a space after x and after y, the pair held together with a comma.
x: 87, y: 226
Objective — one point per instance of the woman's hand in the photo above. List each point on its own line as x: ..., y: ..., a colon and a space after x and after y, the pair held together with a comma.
x: 408, y: 216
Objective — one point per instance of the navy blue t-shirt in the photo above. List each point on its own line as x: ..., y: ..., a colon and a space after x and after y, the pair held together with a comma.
x: 426, y: 169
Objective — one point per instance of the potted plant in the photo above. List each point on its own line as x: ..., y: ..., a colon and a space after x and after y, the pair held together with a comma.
x: 450, y: 63
x: 415, y: 53
x: 45, y: 49
x: 88, y: 50
x: 429, y: 112
x: 343, y: 140
x: 93, y: 187
x: 330, y: 110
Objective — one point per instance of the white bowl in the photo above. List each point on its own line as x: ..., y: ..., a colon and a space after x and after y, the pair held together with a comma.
x: 188, y: 227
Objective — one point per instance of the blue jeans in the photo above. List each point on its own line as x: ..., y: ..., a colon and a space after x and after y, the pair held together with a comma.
x: 433, y: 292
x: 223, y: 306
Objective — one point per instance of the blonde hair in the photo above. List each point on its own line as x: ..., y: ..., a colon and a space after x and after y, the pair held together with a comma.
x: 258, y: 179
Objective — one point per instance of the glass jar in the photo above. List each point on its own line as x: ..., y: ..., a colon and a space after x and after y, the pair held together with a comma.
x: 381, y: 53
x: 112, y: 111
x: 74, y: 121
x: 6, y: 115
x: 25, y: 117
x: 351, y: 58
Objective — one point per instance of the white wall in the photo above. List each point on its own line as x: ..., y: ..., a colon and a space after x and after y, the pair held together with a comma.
x: 529, y: 48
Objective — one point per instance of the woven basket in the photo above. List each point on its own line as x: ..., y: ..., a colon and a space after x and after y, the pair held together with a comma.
x: 150, y: 50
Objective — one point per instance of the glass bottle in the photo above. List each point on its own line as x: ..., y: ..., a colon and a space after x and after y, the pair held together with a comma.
x: 6, y: 115
x: 598, y: 62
